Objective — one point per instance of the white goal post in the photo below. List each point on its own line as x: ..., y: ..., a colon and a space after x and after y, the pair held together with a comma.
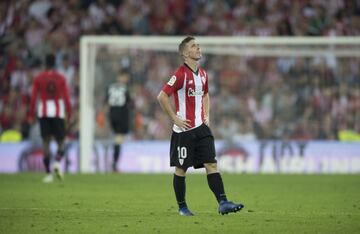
x: 223, y: 45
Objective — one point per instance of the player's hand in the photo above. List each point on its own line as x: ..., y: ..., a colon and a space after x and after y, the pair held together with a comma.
x: 182, y: 123
x: 207, y: 120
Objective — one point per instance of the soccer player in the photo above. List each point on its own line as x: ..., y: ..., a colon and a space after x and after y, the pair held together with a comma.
x: 52, y: 109
x: 192, y: 143
x: 118, y: 101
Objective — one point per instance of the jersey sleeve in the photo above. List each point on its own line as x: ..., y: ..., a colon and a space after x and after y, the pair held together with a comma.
x: 34, y: 93
x: 175, y: 83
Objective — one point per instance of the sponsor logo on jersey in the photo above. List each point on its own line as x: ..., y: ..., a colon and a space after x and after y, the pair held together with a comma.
x: 172, y: 80
x: 192, y: 93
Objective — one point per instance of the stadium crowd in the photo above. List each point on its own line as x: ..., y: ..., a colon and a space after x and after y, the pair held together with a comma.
x: 252, y: 98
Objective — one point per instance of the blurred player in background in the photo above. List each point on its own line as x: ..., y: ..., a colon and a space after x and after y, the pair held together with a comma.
x: 53, y: 106
x: 192, y: 143
x: 118, y: 102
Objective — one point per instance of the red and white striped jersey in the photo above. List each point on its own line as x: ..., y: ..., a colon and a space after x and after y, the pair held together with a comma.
x: 52, y: 89
x: 188, y: 88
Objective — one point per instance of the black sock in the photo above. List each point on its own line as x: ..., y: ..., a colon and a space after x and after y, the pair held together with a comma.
x: 46, y: 161
x: 217, y: 187
x: 116, y: 155
x: 180, y: 188
x: 59, y: 155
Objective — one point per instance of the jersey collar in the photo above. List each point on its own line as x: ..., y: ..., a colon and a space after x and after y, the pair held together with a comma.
x: 195, y: 72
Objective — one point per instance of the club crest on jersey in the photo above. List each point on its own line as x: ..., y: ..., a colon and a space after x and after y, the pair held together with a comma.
x: 193, y: 93
x: 203, y: 79
x: 172, y: 80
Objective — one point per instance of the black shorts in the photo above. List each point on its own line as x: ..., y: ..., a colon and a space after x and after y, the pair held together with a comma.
x: 52, y: 127
x: 192, y: 148
x: 119, y: 123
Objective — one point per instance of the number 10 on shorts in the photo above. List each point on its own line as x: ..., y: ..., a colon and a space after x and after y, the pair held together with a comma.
x: 182, y: 154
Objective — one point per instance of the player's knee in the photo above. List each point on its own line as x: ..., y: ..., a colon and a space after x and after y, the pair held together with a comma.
x: 180, y: 171
x: 211, y: 167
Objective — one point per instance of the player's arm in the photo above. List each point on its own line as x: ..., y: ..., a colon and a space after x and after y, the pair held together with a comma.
x: 33, y: 99
x: 164, y: 101
x: 206, y: 102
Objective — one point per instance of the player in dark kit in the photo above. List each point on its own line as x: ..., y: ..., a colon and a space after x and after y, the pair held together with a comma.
x: 118, y: 101
x: 192, y: 143
x: 53, y: 107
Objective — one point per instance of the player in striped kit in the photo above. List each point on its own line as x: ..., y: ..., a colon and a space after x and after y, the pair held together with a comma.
x: 53, y: 107
x: 192, y: 143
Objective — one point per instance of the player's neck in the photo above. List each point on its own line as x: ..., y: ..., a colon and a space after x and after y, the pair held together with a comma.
x: 192, y: 64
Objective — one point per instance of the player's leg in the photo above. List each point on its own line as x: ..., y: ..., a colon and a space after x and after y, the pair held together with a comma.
x: 46, y: 137
x: 46, y: 160
x: 181, y: 151
x: 180, y: 191
x: 215, y: 181
x: 120, y: 127
x: 47, y: 154
x: 217, y: 187
x: 59, y: 155
x: 60, y: 150
x: 58, y: 126
x: 180, y: 186
x: 119, y: 139
x: 205, y: 154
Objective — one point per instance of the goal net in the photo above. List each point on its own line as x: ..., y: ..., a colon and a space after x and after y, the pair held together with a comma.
x: 261, y: 88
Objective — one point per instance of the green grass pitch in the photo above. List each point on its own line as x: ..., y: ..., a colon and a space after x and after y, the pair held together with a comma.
x: 132, y: 203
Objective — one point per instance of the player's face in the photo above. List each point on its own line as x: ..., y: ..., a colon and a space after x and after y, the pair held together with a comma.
x: 193, y: 50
